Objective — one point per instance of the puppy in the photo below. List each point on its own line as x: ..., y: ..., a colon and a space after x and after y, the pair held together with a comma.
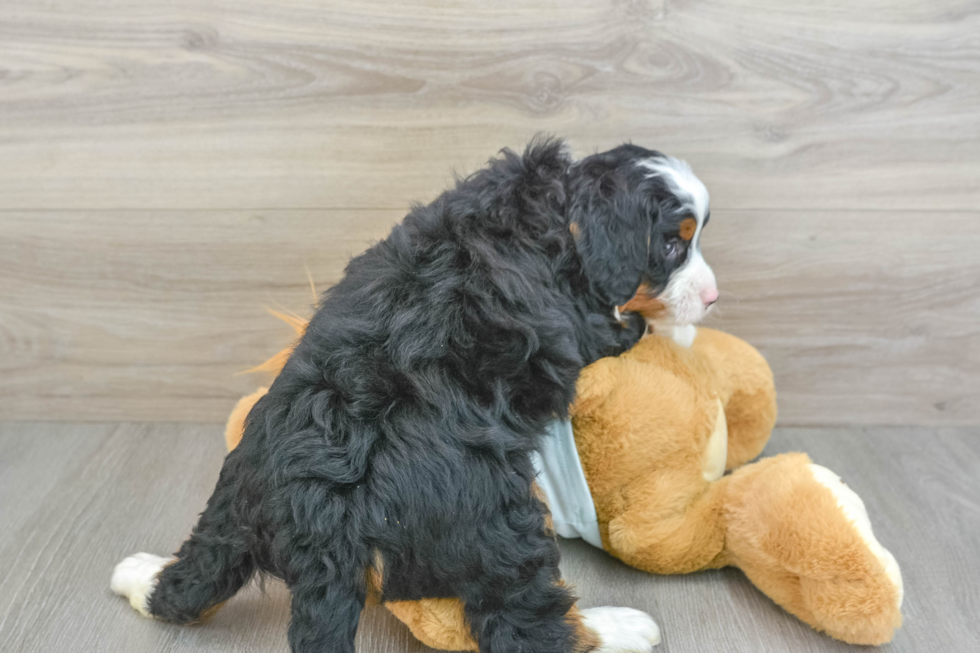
x: 393, y: 451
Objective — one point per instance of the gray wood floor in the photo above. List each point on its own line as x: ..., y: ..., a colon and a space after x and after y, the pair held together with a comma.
x: 76, y: 498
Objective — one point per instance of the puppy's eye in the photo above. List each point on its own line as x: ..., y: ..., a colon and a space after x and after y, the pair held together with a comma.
x: 672, y: 247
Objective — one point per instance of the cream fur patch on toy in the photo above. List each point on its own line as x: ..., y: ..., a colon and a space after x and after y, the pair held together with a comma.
x: 716, y: 453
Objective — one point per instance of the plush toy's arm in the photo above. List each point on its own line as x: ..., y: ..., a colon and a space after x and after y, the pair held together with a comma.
x: 751, y: 417
x: 747, y: 391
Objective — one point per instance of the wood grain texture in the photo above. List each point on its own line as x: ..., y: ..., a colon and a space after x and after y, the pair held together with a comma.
x: 865, y: 317
x: 151, y: 315
x: 166, y: 169
x: 80, y: 497
x: 353, y: 103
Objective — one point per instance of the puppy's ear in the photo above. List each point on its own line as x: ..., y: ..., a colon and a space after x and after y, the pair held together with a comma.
x: 611, y: 225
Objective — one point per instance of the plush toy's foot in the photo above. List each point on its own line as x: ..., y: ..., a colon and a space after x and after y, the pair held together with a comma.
x: 622, y: 630
x: 853, y: 508
x: 804, y: 538
x: 136, y: 577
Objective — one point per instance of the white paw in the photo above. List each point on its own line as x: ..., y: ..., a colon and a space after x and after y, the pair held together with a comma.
x: 136, y: 576
x: 622, y: 630
x: 852, y: 506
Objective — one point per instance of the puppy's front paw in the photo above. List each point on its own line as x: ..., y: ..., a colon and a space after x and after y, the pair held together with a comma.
x: 622, y: 630
x: 136, y: 576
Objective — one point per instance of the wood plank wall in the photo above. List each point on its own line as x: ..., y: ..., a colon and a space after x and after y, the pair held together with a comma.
x: 168, y: 169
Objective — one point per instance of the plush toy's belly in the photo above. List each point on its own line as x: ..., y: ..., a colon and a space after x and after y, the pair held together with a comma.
x: 561, y: 478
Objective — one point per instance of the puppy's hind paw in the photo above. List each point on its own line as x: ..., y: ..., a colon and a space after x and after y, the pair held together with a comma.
x: 622, y: 630
x: 136, y: 577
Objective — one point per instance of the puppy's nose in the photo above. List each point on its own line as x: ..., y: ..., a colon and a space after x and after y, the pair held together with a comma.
x: 709, y: 296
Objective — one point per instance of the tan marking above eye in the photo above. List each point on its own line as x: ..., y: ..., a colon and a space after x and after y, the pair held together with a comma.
x: 688, y: 227
x: 573, y: 227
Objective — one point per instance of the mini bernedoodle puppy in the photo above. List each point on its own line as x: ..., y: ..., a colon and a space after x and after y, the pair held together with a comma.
x: 391, y: 458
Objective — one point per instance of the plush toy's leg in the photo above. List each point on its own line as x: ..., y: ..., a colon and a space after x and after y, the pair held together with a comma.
x: 437, y: 623
x: 674, y: 523
x: 804, y: 538
x: 747, y: 391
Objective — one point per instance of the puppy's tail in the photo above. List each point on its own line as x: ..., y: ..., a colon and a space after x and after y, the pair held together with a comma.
x: 210, y: 567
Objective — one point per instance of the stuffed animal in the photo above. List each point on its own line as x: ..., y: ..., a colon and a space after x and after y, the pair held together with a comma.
x: 655, y: 429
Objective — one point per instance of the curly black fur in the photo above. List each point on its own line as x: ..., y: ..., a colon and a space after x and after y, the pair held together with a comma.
x: 400, y: 429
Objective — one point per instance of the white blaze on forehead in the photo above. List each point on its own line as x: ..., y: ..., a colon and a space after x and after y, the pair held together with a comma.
x: 683, y: 183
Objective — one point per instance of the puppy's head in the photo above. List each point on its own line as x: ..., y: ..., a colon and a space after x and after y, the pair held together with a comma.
x: 637, y: 217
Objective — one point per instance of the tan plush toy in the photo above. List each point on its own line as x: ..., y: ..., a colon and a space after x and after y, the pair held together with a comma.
x: 655, y: 429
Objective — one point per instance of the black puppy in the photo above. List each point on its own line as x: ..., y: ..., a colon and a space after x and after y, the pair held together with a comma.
x: 397, y: 438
